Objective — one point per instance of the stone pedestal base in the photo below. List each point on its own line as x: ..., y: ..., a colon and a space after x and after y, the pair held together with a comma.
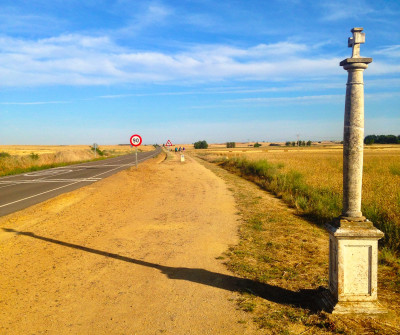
x: 331, y: 305
x: 353, y: 267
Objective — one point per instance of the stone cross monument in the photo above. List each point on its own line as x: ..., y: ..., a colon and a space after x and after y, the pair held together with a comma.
x: 353, y: 240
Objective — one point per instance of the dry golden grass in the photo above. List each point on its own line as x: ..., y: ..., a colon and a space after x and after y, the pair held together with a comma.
x: 285, y: 259
x: 322, y: 168
x: 21, y: 150
x: 26, y: 156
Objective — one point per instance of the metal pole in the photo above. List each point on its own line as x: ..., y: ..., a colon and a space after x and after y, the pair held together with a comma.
x: 136, y: 155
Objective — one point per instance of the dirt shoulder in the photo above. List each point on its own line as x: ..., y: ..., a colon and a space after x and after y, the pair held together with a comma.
x: 135, y: 253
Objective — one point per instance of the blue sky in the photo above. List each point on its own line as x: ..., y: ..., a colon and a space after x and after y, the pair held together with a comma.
x: 84, y: 71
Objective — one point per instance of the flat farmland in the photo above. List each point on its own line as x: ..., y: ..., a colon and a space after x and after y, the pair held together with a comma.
x: 20, y: 158
x: 319, y: 169
x: 21, y: 150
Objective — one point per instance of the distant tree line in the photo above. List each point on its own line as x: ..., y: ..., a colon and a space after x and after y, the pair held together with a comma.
x: 382, y: 139
x: 200, y: 145
x: 298, y: 144
x: 230, y: 144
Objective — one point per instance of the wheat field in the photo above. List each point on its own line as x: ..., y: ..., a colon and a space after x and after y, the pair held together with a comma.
x: 321, y: 168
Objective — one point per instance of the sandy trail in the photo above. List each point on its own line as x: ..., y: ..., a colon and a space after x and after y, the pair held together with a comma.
x: 135, y: 253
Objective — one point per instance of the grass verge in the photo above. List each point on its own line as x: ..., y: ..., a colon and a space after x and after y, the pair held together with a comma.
x: 320, y: 205
x: 285, y: 260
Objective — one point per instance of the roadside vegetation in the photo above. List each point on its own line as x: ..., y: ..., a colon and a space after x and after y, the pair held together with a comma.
x: 18, y: 159
x: 283, y: 251
x: 285, y: 261
x: 311, y: 182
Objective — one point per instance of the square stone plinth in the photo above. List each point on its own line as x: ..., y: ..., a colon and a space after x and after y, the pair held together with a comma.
x: 353, y: 267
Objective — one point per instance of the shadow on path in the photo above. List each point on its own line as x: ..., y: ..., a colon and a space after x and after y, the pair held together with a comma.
x: 305, y: 298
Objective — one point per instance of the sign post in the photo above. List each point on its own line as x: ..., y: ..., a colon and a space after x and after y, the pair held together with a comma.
x: 168, y: 145
x: 136, y: 140
x: 95, y: 149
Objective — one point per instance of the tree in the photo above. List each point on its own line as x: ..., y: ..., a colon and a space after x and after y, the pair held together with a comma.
x: 201, y: 145
x: 256, y: 145
x: 230, y: 144
x: 369, y: 139
x: 309, y: 143
x: 382, y: 139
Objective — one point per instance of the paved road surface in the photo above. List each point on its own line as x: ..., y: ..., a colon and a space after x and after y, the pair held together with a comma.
x: 20, y: 191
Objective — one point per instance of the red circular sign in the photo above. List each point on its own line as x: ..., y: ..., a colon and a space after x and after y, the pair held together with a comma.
x: 136, y: 140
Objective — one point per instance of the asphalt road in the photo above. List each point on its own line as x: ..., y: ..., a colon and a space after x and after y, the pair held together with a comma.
x: 20, y: 191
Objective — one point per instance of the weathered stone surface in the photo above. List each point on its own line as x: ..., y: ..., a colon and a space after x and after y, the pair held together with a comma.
x: 353, y: 240
x: 353, y: 268
x: 353, y: 135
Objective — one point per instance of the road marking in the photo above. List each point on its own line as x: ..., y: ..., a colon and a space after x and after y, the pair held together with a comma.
x: 36, y: 195
x: 75, y: 182
x: 36, y: 181
x: 50, y: 172
x: 58, y: 188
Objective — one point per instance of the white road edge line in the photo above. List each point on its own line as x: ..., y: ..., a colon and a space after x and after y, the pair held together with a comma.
x: 54, y: 189
x: 36, y: 195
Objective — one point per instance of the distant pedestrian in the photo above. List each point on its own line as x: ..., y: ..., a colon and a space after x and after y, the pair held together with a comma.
x: 176, y: 149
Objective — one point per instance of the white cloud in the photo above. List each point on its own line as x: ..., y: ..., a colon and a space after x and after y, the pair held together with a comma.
x: 290, y: 100
x: 96, y: 60
x: 311, y: 99
x: 340, y: 10
x: 35, y: 103
x: 389, y: 51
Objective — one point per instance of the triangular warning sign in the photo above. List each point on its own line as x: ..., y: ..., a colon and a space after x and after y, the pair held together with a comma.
x: 168, y: 144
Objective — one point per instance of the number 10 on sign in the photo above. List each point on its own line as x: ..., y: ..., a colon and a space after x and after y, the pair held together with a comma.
x: 136, y: 140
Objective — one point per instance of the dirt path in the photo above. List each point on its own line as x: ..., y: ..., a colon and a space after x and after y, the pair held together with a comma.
x: 135, y: 253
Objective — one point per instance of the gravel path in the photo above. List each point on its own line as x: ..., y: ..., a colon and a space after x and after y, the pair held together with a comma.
x: 135, y: 253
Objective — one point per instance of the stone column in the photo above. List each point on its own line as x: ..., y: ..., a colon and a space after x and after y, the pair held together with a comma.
x: 353, y: 137
x: 353, y: 240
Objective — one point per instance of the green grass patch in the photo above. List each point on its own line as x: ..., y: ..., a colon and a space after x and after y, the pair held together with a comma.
x: 395, y: 170
x: 319, y: 205
x: 4, y: 154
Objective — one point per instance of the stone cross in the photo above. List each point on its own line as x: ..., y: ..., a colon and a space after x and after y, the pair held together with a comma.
x: 353, y: 240
x: 355, y: 41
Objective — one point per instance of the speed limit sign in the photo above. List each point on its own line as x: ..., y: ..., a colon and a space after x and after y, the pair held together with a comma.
x: 136, y: 140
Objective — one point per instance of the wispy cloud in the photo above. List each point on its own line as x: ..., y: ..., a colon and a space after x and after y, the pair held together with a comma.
x: 153, y: 14
x: 35, y: 103
x: 313, y: 99
x: 340, y: 10
x: 19, y: 21
x: 290, y: 100
x: 389, y: 51
x: 96, y: 60
x: 77, y: 59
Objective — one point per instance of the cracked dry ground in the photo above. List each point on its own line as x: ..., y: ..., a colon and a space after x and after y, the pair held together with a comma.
x: 136, y: 253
